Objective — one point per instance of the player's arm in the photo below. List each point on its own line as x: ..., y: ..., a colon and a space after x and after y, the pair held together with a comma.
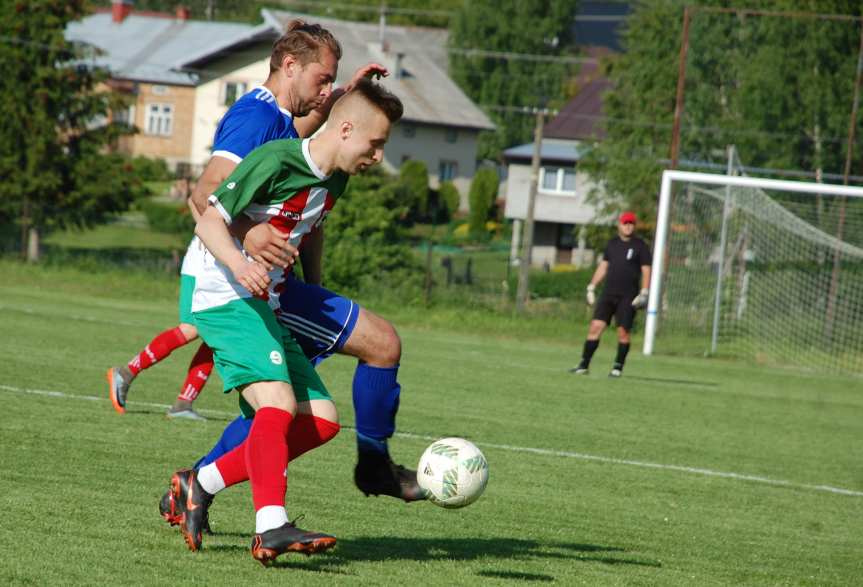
x: 217, y: 170
x: 311, y: 256
x: 213, y: 232
x: 309, y: 124
x: 645, y: 277
x: 597, y: 278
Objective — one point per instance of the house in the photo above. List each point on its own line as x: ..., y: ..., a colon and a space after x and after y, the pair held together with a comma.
x: 562, y: 209
x: 441, y: 125
x: 182, y: 75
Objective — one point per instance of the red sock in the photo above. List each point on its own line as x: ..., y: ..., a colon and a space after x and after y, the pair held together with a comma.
x: 199, y: 370
x: 232, y: 466
x: 307, y: 432
x: 267, y: 456
x: 159, y: 348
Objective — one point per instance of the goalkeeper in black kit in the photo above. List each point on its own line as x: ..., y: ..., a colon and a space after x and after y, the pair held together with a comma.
x: 625, y: 265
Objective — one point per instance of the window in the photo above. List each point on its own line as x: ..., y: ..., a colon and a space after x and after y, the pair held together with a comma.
x: 409, y: 131
x: 126, y: 116
x: 566, y: 236
x: 159, y: 90
x: 558, y: 180
x: 233, y: 92
x: 160, y: 119
x: 405, y: 159
x: 447, y: 170
x: 451, y: 135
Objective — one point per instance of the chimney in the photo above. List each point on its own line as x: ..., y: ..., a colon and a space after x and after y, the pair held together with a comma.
x: 183, y: 12
x: 120, y: 9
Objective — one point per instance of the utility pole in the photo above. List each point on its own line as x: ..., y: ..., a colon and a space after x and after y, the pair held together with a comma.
x: 527, y: 241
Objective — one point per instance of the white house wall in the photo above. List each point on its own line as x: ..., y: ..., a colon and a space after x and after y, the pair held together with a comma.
x: 550, y: 207
x: 429, y: 144
x: 251, y: 66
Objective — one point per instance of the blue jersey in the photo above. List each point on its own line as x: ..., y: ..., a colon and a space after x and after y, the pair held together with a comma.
x: 253, y: 120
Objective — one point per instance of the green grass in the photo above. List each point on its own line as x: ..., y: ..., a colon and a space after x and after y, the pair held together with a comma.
x: 129, y: 232
x: 80, y: 484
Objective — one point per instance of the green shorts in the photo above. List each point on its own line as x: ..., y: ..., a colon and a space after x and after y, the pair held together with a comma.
x: 187, y: 288
x: 249, y: 345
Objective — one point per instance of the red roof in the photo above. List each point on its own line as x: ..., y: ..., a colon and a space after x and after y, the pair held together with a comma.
x: 582, y: 116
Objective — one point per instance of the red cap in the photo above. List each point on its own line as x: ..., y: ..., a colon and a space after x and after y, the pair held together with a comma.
x: 628, y: 217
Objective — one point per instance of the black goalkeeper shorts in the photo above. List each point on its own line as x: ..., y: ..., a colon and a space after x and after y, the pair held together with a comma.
x: 617, y: 305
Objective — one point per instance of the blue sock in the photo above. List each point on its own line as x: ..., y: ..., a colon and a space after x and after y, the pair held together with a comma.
x: 233, y: 436
x: 376, y: 401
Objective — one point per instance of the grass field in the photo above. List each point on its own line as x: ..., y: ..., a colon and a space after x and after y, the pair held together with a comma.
x: 685, y: 472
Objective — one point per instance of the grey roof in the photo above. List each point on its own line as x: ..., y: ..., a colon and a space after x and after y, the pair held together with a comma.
x: 551, y: 150
x: 156, y: 48
x: 428, y: 93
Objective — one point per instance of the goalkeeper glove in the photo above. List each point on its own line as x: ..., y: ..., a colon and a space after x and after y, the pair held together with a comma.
x: 641, y: 299
x: 591, y: 294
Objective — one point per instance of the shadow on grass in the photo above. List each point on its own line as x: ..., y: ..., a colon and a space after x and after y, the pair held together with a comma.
x: 689, y: 382
x: 394, y: 549
x: 135, y: 411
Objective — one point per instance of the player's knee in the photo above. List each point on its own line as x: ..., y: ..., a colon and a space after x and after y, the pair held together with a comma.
x: 386, y: 351
x: 623, y: 336
x: 189, y: 331
x: 271, y: 394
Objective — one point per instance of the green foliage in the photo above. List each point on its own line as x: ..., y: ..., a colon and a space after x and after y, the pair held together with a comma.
x: 414, y: 187
x: 364, y: 243
x: 150, y: 169
x: 779, y: 89
x: 168, y: 218
x: 536, y: 27
x: 449, y: 196
x: 483, y: 192
x: 52, y: 144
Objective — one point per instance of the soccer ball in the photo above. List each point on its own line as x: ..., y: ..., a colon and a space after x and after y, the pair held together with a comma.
x: 453, y: 472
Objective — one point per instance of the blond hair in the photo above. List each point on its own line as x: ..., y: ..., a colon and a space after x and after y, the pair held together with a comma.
x: 304, y: 42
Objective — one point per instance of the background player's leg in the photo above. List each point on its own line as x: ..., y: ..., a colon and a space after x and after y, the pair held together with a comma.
x: 625, y: 318
x: 120, y: 378
x: 199, y: 371
x: 590, y: 345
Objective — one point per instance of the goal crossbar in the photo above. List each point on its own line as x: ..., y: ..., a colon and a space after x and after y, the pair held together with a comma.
x: 664, y: 212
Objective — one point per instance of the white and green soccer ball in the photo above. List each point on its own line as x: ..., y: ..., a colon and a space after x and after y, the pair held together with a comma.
x: 453, y: 471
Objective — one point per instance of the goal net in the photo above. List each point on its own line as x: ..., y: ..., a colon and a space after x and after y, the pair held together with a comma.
x: 766, y: 270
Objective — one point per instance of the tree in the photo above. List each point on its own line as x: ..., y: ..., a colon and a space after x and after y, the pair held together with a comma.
x: 56, y: 172
x: 449, y: 196
x: 779, y: 89
x: 364, y: 241
x: 414, y: 181
x: 483, y: 192
x: 536, y: 27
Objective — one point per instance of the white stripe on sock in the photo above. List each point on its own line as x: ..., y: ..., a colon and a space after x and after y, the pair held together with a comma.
x: 210, y: 478
x: 269, y: 517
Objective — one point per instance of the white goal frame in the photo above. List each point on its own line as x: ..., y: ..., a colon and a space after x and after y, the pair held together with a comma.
x: 661, y: 236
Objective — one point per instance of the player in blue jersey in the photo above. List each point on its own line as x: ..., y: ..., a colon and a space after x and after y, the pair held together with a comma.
x: 295, y: 100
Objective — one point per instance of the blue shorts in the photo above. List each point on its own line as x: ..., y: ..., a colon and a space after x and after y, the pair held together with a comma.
x: 320, y: 320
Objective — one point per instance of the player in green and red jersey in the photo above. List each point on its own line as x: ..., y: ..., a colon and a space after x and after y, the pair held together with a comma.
x: 291, y: 184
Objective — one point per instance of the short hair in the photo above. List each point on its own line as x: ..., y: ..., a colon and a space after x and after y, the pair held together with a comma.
x: 379, y: 97
x: 304, y: 42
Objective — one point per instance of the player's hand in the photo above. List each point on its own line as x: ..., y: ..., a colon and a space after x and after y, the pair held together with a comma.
x: 253, y: 277
x: 641, y: 299
x: 591, y: 294
x: 371, y: 71
x: 269, y: 246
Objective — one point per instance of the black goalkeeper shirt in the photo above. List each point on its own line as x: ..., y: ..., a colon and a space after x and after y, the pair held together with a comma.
x: 625, y: 260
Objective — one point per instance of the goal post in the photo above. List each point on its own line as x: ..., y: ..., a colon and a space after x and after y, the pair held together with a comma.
x: 734, y: 246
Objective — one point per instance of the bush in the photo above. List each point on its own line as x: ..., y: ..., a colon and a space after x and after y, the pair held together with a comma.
x: 483, y: 192
x: 449, y: 196
x: 414, y: 184
x: 365, y: 247
x: 147, y: 169
x: 568, y: 285
x: 169, y: 218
